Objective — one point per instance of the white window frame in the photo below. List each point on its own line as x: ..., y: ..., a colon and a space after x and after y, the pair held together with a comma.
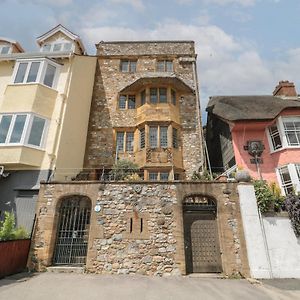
x: 52, y: 45
x: 293, y: 174
x: 4, y: 46
x: 26, y: 130
x: 44, y: 62
x: 280, y: 126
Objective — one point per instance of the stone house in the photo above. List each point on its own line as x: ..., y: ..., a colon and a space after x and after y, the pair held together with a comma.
x: 145, y: 108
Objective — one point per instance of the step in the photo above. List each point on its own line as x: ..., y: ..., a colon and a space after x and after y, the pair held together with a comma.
x: 206, y: 275
x: 66, y: 269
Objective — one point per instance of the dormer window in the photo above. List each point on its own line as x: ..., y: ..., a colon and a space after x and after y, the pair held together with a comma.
x: 61, y: 46
x: 5, y: 49
x: 42, y: 71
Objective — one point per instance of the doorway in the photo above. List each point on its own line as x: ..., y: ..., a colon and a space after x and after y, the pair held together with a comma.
x: 72, y: 231
x: 201, y: 239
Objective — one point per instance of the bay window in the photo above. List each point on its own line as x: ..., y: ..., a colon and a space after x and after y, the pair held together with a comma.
x: 42, y: 71
x: 142, y: 138
x: 158, y: 95
x: 285, y: 133
x: 22, y: 129
x: 289, y: 178
x: 158, y: 176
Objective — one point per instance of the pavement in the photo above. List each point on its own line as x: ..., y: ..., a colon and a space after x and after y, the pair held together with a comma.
x: 61, y: 286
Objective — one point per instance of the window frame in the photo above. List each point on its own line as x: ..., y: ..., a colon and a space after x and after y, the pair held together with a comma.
x: 142, y: 138
x: 130, y: 62
x: 53, y: 44
x: 41, y: 73
x: 165, y: 63
x: 124, y: 149
x: 6, y: 46
x: 282, y: 133
x: 24, y: 140
x: 294, y: 173
x: 158, y: 174
x: 127, y: 96
x: 158, y: 95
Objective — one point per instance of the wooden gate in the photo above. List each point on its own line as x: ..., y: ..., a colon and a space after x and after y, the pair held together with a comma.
x: 73, y: 231
x: 202, y: 249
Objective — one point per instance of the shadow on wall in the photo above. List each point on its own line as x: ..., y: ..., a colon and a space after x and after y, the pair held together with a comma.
x: 100, y: 145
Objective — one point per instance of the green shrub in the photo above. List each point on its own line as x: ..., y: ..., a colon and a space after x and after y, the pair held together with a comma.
x: 292, y: 204
x: 268, y: 196
x: 202, y: 176
x: 122, y: 168
x: 8, y: 230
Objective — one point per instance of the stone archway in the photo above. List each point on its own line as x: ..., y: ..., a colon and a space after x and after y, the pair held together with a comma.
x: 72, y: 235
x: 201, y: 239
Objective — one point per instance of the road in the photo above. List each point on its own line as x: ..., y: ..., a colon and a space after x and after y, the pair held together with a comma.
x: 61, y: 286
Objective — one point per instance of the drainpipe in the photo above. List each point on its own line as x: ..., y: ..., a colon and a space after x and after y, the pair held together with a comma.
x: 195, y: 75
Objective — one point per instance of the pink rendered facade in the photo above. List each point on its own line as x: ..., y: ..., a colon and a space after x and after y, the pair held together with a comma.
x: 273, y: 160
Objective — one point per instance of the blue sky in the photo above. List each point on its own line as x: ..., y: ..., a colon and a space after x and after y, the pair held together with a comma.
x: 243, y: 46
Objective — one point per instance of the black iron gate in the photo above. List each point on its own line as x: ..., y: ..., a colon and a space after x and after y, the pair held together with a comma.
x: 201, y: 235
x: 73, y: 231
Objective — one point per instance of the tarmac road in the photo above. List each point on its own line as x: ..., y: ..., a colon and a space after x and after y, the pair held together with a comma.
x: 61, y: 286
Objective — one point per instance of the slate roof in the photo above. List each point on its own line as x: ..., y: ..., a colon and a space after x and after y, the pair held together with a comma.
x: 238, y: 108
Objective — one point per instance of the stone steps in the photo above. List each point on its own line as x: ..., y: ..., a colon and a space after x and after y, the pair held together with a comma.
x: 65, y: 269
x: 206, y: 275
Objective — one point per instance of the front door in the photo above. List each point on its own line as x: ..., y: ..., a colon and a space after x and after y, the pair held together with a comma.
x: 202, y: 249
x: 73, y: 231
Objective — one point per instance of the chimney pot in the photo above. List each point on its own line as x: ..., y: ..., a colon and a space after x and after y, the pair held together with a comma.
x: 285, y: 88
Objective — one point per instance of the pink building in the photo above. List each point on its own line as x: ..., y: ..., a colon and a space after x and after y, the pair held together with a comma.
x: 258, y: 133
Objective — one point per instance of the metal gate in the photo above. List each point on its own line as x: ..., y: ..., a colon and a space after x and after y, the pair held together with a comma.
x: 73, y: 231
x: 202, y: 249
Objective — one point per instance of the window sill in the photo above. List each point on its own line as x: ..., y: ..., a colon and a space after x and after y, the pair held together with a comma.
x: 32, y: 83
x: 284, y: 148
x: 22, y: 145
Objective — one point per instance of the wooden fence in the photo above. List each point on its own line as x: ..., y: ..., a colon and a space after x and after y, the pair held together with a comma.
x: 13, y: 256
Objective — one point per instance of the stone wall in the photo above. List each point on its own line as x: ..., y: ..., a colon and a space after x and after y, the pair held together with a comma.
x: 117, y: 242
x: 146, y: 48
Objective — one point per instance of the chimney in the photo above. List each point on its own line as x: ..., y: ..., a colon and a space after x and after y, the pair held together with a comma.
x: 285, y: 88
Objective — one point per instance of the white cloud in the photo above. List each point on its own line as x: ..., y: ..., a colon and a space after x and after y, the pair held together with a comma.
x: 226, y: 65
x: 137, y: 4
x: 50, y: 2
x: 225, y: 2
x: 222, y: 2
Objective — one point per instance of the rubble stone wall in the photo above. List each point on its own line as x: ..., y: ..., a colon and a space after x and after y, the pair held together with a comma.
x: 119, y: 244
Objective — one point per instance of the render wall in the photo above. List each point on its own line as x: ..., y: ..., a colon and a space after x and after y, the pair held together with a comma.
x: 159, y: 248
x: 75, y: 117
x: 283, y: 247
x: 273, y: 249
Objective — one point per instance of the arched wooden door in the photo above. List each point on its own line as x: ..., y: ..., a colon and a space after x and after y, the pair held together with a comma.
x: 73, y: 231
x: 202, y: 250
